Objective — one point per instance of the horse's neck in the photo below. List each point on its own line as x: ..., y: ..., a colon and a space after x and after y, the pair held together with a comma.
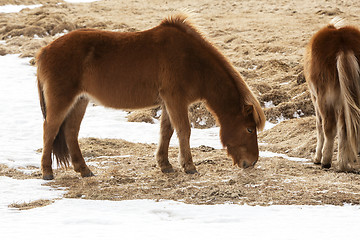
x: 223, y: 98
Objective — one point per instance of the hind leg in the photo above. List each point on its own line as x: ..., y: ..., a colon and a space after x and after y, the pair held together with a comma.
x: 166, y: 132
x: 329, y: 128
x: 71, y: 129
x: 320, y: 137
x: 319, y: 130
x: 51, y: 128
x: 56, y: 112
x: 342, y: 145
x: 346, y: 157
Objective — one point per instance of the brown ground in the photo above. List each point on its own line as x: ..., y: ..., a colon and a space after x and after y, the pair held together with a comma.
x: 265, y: 41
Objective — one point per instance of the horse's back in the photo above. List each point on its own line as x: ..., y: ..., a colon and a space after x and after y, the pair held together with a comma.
x: 323, y: 51
x: 123, y: 70
x: 326, y: 44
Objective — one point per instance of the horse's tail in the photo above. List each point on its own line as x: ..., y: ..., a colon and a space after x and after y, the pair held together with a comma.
x: 60, y: 148
x: 349, y: 79
x: 42, y: 98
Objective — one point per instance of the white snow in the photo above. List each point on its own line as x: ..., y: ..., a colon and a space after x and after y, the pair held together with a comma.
x: 269, y: 125
x: 21, y: 120
x: 269, y: 104
x: 147, y: 219
x: 10, y: 8
x: 21, y: 135
x: 80, y: 1
x: 16, y: 8
x: 299, y: 113
x: 20, y: 191
x: 115, y: 125
x: 272, y: 154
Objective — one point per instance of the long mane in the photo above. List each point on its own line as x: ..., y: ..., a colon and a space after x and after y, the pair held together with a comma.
x: 182, y: 22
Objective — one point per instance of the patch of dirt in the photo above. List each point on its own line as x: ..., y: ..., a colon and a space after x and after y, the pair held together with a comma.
x: 296, y: 138
x: 146, y: 116
x: 265, y: 41
x: 126, y: 171
x: 129, y: 171
x: 200, y: 117
x: 31, y: 205
x: 20, y: 173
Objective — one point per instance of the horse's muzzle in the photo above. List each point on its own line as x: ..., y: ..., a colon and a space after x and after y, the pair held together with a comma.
x: 246, y: 164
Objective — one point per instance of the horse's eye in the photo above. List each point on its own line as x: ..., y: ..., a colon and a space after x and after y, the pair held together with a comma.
x: 250, y: 130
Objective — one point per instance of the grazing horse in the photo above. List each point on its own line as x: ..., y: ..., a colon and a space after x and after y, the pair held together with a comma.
x: 332, y: 72
x: 171, y: 65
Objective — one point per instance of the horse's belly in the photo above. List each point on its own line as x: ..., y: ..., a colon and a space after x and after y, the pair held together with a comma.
x: 123, y: 87
x: 125, y: 97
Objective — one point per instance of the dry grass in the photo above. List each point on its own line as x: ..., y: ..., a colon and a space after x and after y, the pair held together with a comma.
x: 132, y: 174
x: 31, y: 205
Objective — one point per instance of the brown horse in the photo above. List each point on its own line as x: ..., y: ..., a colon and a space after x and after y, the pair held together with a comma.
x: 332, y: 72
x: 171, y: 65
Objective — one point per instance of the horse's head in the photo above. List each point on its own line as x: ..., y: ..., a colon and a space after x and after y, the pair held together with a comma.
x: 239, y: 136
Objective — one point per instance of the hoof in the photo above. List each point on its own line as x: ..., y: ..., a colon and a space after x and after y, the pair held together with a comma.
x: 327, y: 166
x: 90, y: 174
x: 167, y: 170
x: 317, y: 160
x: 193, y: 171
x: 48, y: 177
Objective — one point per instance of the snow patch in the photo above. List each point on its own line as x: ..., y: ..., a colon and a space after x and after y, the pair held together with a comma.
x: 16, y: 8
x: 269, y: 104
x: 80, y: 1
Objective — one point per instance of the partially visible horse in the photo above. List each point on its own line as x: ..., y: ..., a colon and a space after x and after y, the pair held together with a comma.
x: 171, y: 65
x: 333, y: 75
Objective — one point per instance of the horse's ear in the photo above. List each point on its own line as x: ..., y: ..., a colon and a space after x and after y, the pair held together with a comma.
x: 248, y: 109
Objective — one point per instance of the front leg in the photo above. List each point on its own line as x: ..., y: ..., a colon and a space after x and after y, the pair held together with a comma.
x: 178, y: 113
x: 166, y: 132
x: 185, y: 157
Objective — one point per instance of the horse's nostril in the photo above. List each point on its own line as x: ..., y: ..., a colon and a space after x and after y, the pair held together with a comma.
x: 245, y: 164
